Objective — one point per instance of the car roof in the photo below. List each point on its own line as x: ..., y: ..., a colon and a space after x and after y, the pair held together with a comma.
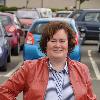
x: 54, y: 19
x: 90, y: 9
x: 7, y: 14
x: 86, y: 10
x: 25, y: 10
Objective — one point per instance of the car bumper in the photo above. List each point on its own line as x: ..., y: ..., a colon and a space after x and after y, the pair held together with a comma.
x: 76, y: 54
x: 31, y: 52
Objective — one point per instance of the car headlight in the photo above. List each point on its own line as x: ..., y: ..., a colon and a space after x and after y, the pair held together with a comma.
x: 1, y: 51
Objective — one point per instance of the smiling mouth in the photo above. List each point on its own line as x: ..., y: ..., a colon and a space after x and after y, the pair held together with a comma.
x: 57, y: 50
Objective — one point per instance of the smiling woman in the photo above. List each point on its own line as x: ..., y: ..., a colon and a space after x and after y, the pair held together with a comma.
x: 57, y: 47
x: 55, y: 75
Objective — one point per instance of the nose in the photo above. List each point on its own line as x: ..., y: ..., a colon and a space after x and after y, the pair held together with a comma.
x: 58, y: 43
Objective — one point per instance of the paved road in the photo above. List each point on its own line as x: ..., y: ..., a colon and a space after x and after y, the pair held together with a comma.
x: 91, y: 57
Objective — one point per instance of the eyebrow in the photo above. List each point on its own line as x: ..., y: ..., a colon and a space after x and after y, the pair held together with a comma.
x: 56, y: 39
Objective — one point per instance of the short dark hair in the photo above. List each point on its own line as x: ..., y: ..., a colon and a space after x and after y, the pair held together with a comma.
x: 51, y: 28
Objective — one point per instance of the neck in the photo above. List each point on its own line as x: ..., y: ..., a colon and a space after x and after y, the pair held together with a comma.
x: 58, y: 64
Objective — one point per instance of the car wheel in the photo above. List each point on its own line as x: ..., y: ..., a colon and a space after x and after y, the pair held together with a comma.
x: 17, y: 50
x: 83, y: 40
x: 9, y: 58
x: 4, y: 67
x: 99, y: 48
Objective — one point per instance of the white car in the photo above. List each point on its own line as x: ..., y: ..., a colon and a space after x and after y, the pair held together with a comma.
x: 45, y: 12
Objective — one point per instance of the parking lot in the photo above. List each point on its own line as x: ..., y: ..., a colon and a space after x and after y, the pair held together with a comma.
x: 90, y: 56
x: 20, y: 37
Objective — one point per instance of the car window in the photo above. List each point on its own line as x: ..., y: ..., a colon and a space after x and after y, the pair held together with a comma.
x: 27, y: 14
x: 75, y: 15
x: 5, y: 19
x: 39, y: 28
x: 16, y: 20
x: 0, y: 32
x: 4, y: 30
x: 62, y: 14
x: 92, y: 17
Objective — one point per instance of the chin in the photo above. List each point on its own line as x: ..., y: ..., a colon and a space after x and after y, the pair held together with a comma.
x: 57, y: 56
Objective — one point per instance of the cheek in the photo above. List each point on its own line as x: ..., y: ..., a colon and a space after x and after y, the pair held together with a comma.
x: 66, y: 45
x: 49, y: 47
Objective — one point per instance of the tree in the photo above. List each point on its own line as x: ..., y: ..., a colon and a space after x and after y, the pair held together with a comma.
x: 81, y: 1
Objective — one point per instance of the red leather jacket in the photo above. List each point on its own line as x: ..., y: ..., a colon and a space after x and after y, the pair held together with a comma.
x: 32, y: 79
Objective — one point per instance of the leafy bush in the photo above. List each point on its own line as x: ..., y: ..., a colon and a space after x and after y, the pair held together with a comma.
x: 3, y: 8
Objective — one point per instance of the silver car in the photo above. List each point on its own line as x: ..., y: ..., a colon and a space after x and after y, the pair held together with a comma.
x: 5, y: 48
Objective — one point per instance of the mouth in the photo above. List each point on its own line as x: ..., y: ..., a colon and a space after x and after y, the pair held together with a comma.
x: 56, y: 51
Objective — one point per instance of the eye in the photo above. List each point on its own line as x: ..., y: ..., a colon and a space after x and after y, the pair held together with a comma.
x: 53, y: 41
x: 62, y: 41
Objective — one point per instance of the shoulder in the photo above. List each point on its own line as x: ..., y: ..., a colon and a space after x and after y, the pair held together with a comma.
x: 80, y: 67
x: 81, y: 70
x: 30, y: 64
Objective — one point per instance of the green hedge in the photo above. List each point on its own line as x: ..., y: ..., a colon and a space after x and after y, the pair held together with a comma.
x: 3, y: 9
x: 57, y: 9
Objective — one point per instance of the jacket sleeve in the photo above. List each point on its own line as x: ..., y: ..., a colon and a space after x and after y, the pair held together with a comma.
x: 90, y: 93
x: 14, y: 85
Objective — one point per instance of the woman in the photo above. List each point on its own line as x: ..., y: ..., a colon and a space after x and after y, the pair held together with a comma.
x: 55, y: 77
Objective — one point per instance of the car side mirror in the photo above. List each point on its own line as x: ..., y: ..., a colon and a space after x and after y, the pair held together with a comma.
x: 8, y: 35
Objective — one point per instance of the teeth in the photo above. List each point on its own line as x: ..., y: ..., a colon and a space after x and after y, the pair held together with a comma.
x: 57, y: 50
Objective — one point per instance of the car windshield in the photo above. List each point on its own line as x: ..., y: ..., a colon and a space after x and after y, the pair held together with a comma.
x: 5, y: 19
x: 38, y: 29
x: 62, y: 14
x: 92, y: 17
x: 27, y: 14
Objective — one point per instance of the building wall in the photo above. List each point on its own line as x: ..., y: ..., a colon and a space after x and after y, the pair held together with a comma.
x: 38, y: 3
x: 52, y: 3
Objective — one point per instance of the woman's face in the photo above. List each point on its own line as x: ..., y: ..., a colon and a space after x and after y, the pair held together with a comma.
x: 57, y: 47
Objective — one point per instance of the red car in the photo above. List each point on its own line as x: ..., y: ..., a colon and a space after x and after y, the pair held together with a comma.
x: 13, y: 27
x: 26, y: 17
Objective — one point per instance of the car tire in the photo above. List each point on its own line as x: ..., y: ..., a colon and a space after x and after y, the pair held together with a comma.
x: 83, y: 41
x: 9, y: 58
x: 17, y: 50
x: 4, y: 67
x: 99, y: 48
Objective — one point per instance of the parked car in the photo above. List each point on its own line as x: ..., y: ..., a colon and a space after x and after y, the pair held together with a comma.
x: 31, y: 47
x: 44, y: 12
x: 99, y: 43
x: 26, y: 16
x: 5, y: 48
x: 88, y: 21
x: 13, y: 26
x: 63, y: 13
